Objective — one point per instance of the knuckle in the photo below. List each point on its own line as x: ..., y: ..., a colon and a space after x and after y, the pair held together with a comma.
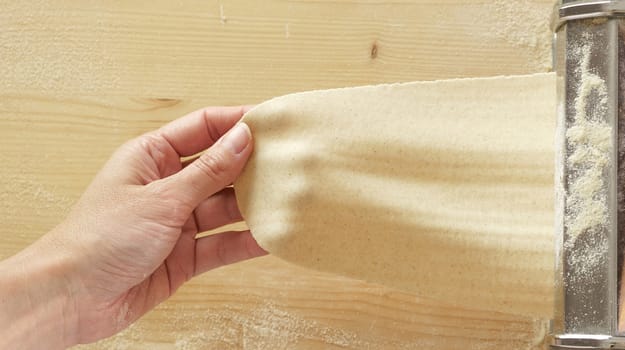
x: 213, y: 164
x: 143, y: 143
x: 153, y: 145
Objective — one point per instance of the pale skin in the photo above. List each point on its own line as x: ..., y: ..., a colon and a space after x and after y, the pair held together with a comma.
x: 130, y: 241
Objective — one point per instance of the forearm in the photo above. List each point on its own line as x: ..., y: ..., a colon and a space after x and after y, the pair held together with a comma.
x: 36, y: 309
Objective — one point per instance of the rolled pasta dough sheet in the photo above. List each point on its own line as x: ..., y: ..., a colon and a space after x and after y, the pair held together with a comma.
x: 441, y: 188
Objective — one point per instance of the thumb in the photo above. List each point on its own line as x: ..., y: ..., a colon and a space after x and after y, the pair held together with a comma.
x: 217, y: 167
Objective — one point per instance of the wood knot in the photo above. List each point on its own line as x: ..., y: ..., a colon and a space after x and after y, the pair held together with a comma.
x: 374, y: 50
x: 166, y: 102
x: 158, y: 103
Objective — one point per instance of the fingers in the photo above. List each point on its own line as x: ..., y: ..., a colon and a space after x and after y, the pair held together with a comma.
x: 199, y: 130
x: 217, y: 210
x: 214, y: 169
x: 224, y: 249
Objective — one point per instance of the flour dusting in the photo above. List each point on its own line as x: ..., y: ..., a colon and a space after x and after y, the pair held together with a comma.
x: 267, y: 326
x: 523, y: 24
x: 589, y: 138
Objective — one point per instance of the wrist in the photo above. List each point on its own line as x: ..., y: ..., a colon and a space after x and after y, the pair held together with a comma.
x: 36, y: 306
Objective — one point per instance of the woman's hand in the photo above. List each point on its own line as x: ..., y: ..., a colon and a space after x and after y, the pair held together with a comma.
x: 130, y: 241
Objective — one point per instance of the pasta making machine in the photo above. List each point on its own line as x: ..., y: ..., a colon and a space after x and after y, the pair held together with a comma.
x: 589, y: 59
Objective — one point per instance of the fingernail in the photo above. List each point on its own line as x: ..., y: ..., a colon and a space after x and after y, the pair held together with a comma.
x: 237, y: 138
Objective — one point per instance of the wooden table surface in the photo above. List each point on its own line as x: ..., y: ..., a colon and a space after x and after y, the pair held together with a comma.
x: 80, y: 77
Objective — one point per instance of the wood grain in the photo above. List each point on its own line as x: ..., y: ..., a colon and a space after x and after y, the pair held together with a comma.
x: 290, y: 308
x: 79, y: 78
x: 233, y: 51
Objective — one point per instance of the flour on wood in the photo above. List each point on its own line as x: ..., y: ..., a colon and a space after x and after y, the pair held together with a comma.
x: 523, y: 24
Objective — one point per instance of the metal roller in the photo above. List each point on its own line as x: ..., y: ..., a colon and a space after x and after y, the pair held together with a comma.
x: 589, y: 38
